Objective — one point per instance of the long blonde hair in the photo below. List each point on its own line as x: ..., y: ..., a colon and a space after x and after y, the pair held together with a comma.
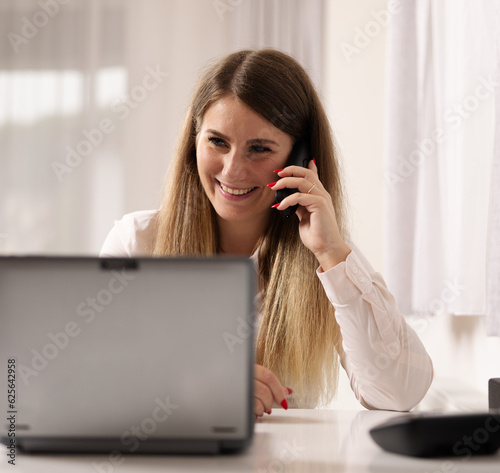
x: 298, y: 337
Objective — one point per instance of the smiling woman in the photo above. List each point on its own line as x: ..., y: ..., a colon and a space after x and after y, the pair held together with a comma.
x: 321, y: 302
x: 237, y: 152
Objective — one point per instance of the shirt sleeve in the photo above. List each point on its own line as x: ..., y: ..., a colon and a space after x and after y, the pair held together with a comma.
x: 131, y: 236
x: 387, y: 364
x: 115, y: 244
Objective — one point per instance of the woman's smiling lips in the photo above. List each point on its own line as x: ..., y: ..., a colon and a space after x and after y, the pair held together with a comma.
x: 235, y: 193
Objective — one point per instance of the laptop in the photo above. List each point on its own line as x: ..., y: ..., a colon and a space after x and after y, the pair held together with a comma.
x: 147, y: 355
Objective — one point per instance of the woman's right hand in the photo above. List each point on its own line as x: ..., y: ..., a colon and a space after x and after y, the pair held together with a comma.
x: 267, y: 390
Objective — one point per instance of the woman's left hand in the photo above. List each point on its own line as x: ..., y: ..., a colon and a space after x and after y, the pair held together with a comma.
x: 318, y: 226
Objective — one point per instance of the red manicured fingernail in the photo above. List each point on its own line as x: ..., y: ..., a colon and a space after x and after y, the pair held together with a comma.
x: 314, y: 159
x: 268, y: 412
x: 271, y: 184
x: 290, y: 390
x: 284, y: 404
x: 275, y: 205
x: 278, y: 170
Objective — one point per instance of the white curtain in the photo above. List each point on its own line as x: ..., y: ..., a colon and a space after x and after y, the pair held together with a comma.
x: 294, y: 26
x: 439, y: 148
x: 65, y: 66
x: 60, y: 64
x: 493, y: 249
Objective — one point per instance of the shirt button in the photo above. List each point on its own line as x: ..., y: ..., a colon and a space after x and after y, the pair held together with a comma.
x: 361, y: 279
x: 354, y: 270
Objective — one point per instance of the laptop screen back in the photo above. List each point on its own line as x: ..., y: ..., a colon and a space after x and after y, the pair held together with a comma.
x: 121, y: 353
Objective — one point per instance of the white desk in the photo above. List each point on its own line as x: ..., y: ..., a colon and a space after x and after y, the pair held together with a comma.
x: 312, y: 441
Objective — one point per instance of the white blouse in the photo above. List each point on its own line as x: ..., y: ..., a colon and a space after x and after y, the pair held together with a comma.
x: 386, y: 362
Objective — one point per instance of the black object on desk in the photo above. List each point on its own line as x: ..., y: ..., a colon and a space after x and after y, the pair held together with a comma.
x: 494, y: 394
x: 435, y: 435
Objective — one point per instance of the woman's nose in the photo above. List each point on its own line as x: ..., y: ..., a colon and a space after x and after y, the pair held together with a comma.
x: 234, y: 166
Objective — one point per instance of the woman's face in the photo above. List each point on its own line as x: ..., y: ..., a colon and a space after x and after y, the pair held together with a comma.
x: 237, y: 151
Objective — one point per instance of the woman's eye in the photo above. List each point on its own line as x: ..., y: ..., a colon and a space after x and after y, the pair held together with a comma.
x: 260, y: 149
x: 216, y: 141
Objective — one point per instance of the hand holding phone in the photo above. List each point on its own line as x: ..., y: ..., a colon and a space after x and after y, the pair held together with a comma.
x: 299, y: 156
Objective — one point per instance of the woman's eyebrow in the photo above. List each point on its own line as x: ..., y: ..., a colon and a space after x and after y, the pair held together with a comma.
x: 261, y: 141
x: 218, y: 133
x: 253, y: 141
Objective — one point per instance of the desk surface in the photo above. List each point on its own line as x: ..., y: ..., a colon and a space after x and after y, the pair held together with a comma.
x: 312, y: 441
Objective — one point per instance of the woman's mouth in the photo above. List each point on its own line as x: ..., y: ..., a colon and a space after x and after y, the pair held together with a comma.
x: 231, y: 191
x: 235, y: 191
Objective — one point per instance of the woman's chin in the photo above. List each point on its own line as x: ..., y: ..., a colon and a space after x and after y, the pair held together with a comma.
x: 243, y: 215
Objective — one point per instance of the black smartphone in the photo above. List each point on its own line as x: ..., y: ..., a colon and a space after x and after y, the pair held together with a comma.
x: 299, y: 156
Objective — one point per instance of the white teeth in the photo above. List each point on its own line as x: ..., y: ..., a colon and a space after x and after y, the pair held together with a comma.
x: 236, y: 191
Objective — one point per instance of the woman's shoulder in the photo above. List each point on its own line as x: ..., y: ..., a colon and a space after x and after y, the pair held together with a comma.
x: 132, y: 235
x: 138, y: 220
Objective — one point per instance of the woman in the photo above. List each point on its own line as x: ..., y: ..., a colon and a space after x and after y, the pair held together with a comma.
x: 321, y: 302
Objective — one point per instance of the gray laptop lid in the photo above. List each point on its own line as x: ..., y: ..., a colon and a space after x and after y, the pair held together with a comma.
x: 134, y: 355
